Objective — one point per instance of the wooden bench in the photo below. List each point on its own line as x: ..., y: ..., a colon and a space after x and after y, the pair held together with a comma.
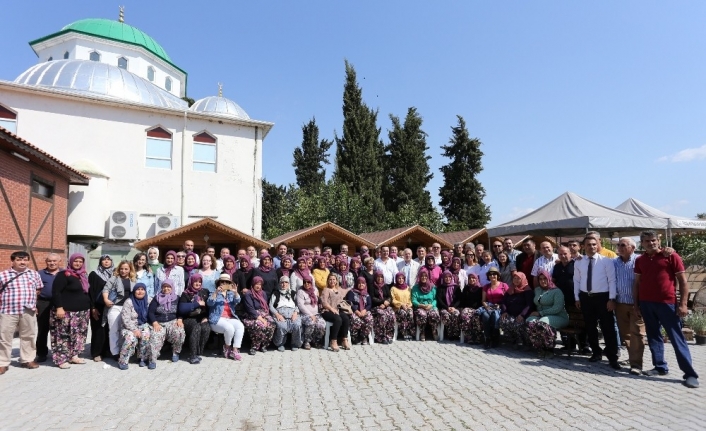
x: 576, y: 326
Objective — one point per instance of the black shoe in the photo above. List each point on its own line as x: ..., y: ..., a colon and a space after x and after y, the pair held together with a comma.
x: 615, y: 365
x: 40, y: 359
x: 586, y: 351
x: 252, y: 352
x: 385, y: 342
x: 595, y: 358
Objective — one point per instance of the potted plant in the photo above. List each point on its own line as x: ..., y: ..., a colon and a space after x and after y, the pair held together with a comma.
x: 697, y: 322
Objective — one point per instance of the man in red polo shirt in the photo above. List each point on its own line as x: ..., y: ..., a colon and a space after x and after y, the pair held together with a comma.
x: 654, y: 291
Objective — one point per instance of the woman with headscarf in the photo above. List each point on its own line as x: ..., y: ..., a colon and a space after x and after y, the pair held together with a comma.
x: 355, y: 266
x: 136, y: 331
x: 229, y: 267
x: 190, y: 263
x: 550, y: 315
x: 115, y: 293
x: 208, y: 272
x: 309, y: 261
x: 345, y: 277
x: 331, y: 298
x: 260, y: 325
x: 492, y: 306
x: 460, y: 275
x: 320, y: 273
x: 195, y: 313
x: 383, y: 314
x: 283, y: 309
x: 471, y: 301
x: 99, y: 331
x: 222, y: 317
x: 445, y: 260
x: 166, y: 324
x: 433, y: 270
x: 518, y: 305
x: 313, y: 325
x: 424, y: 303
x: 268, y: 274
x: 153, y: 259
x: 144, y: 274
x: 296, y: 278
x: 401, y: 295
x: 448, y: 299
x: 361, y: 305
x: 244, y: 275
x: 285, y: 267
x: 172, y: 272
x: 68, y: 319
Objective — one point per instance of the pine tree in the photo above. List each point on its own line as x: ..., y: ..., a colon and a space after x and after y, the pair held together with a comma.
x: 406, y: 166
x: 461, y: 196
x: 359, y: 150
x: 309, y: 160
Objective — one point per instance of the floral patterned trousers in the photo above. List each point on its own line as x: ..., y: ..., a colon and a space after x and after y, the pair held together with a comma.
x: 172, y: 334
x: 405, y: 322
x: 383, y: 324
x: 471, y: 325
x: 131, y: 343
x: 68, y: 335
x: 423, y: 317
x: 260, y: 333
x: 313, y: 331
x: 513, y: 330
x: 541, y: 335
x: 361, y: 327
x: 452, y: 323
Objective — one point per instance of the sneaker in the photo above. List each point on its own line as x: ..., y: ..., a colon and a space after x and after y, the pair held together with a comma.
x: 385, y: 342
x: 142, y: 363
x: 263, y: 349
x: 635, y: 371
x: 691, y: 382
x: 280, y: 349
x: 152, y: 366
x: 655, y: 372
x: 252, y: 352
x: 307, y: 346
x: 226, y: 351
x: 615, y: 365
x: 193, y: 360
x: 175, y: 358
x: 122, y: 366
x: 235, y: 354
x: 294, y: 349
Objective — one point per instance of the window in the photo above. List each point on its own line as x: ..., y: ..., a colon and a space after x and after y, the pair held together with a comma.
x: 8, y: 120
x: 42, y: 188
x: 66, y: 55
x: 204, y: 153
x: 159, y: 149
x: 150, y: 74
x: 122, y: 63
x: 50, y: 58
x: 94, y: 56
x: 168, y: 84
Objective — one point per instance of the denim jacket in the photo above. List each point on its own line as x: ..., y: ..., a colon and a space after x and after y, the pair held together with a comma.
x: 216, y: 302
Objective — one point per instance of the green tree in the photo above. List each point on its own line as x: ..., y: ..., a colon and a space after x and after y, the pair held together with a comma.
x: 359, y: 150
x: 310, y: 158
x: 276, y: 201
x: 461, y: 196
x: 407, y: 167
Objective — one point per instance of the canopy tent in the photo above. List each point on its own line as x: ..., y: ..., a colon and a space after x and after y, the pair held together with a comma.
x: 633, y: 206
x: 570, y: 214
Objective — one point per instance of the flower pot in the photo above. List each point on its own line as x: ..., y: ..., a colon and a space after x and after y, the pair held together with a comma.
x: 700, y: 340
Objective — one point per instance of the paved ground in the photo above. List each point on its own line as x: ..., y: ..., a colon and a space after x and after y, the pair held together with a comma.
x: 405, y: 386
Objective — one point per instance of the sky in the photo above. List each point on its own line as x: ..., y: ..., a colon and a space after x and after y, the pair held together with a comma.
x: 604, y: 99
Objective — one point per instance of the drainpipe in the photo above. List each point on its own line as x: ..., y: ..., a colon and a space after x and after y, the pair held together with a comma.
x: 183, y: 169
x: 254, y: 183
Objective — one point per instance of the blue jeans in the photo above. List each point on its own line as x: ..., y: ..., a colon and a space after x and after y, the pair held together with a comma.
x: 491, y: 320
x: 657, y: 314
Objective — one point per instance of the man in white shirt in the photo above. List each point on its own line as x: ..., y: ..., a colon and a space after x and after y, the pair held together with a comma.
x: 394, y: 255
x: 436, y: 251
x: 225, y: 251
x: 546, y: 261
x: 252, y: 254
x: 281, y: 254
x: 421, y: 254
x: 386, y: 265
x: 594, y: 293
x: 408, y: 267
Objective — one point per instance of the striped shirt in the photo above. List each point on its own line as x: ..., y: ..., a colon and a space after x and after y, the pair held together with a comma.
x: 624, y: 277
x: 545, y: 263
x: 20, y: 293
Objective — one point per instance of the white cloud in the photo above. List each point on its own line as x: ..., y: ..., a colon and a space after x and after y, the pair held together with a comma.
x: 686, y: 155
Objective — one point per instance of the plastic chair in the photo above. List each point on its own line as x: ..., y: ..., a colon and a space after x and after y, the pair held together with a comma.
x: 327, y: 337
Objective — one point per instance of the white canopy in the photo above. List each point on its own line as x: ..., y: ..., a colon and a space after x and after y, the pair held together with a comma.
x: 633, y: 206
x: 570, y: 214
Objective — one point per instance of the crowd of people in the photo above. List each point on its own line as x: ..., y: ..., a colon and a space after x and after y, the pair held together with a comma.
x: 467, y: 294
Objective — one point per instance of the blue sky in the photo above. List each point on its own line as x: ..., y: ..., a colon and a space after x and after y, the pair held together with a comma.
x: 605, y: 99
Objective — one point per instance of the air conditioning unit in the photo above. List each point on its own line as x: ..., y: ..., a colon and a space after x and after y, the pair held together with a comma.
x: 123, y: 225
x: 165, y: 223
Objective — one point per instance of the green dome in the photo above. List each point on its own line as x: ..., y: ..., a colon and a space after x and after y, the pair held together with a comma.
x: 112, y: 30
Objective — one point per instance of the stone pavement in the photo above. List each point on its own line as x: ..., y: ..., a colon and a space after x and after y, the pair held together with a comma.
x: 405, y: 386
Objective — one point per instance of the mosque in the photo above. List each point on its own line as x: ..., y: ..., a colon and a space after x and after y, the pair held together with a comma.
x: 106, y: 98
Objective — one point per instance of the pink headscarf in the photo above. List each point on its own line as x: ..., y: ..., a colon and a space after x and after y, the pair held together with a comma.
x: 78, y: 273
x: 546, y: 273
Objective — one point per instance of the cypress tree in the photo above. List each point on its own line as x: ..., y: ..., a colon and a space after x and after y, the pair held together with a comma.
x: 461, y: 196
x: 406, y: 167
x: 310, y: 158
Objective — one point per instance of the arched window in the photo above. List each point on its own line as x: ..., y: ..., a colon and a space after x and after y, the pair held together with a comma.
x: 94, y: 56
x: 150, y: 74
x: 168, y: 84
x: 50, y: 58
x: 8, y: 119
x: 204, y: 152
x: 66, y: 55
x: 122, y: 63
x: 159, y: 149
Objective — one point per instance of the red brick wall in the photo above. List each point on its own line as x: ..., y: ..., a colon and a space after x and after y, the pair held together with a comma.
x: 37, y: 217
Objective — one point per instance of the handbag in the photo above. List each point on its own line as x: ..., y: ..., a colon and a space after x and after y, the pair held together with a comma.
x: 345, y: 306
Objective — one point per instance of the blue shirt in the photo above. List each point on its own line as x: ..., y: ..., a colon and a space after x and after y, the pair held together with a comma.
x: 47, y: 282
x: 625, y: 275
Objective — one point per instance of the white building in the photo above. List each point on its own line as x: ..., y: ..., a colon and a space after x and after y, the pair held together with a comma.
x: 106, y: 98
